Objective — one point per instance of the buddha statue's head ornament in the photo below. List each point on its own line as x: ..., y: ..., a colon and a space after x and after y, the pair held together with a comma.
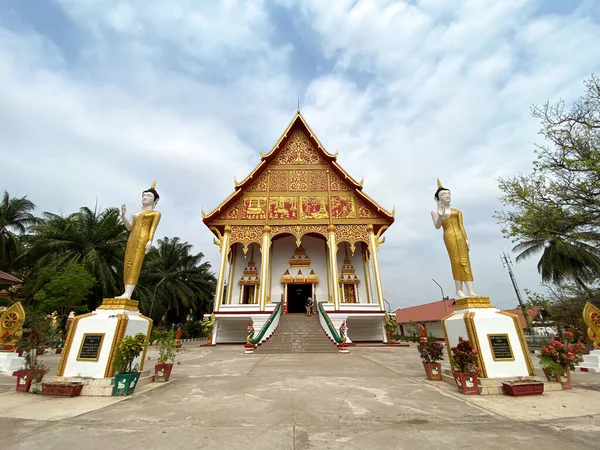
x: 440, y: 188
x: 152, y: 190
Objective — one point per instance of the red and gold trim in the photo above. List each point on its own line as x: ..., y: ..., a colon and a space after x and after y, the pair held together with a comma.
x: 472, y: 333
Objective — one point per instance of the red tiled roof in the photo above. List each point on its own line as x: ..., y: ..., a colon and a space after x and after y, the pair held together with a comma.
x: 533, y: 312
x: 8, y: 279
x: 425, y: 313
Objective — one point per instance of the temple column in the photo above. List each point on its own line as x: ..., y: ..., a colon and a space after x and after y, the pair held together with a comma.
x: 264, y: 266
x: 224, y: 249
x: 335, y: 291
x: 375, y: 262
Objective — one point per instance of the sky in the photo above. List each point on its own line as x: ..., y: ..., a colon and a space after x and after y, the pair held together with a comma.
x: 100, y: 97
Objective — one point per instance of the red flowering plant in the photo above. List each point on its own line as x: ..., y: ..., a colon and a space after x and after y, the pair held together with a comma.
x: 557, y: 356
x: 464, y: 357
x: 569, y: 337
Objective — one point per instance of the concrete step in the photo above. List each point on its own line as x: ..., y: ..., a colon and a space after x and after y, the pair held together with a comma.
x: 298, y: 334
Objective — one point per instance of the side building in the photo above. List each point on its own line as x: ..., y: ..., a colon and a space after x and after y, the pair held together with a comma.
x: 298, y: 226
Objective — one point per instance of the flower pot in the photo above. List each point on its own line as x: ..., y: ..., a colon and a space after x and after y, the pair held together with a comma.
x: 26, y: 377
x: 163, y: 372
x: 125, y: 383
x: 564, y: 377
x: 525, y: 388
x: 466, y: 382
x: 62, y: 389
x: 433, y: 371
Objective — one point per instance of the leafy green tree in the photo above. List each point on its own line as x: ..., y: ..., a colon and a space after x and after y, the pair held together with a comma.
x: 95, y: 240
x: 182, y: 282
x: 555, y: 210
x: 536, y: 299
x: 15, y: 219
x: 66, y: 291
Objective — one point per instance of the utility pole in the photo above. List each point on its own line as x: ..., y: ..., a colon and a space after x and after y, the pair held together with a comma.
x: 443, y: 298
x: 507, y: 264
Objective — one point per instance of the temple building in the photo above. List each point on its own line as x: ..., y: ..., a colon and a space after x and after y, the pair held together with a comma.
x: 298, y: 226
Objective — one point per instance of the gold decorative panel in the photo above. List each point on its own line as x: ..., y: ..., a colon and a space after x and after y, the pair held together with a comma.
x: 318, y: 180
x: 342, y: 207
x: 338, y: 185
x: 365, y: 212
x: 298, y: 150
x: 253, y: 208
x: 299, y: 230
x: 246, y: 235
x: 351, y: 234
x: 313, y: 208
x: 278, y: 181
x: 298, y: 180
x: 283, y: 208
x: 259, y: 185
x: 233, y: 213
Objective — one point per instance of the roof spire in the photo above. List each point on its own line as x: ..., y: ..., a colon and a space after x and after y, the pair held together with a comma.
x: 298, y: 110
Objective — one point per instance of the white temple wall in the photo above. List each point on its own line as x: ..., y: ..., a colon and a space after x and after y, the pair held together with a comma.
x: 357, y: 263
x: 283, y: 249
x: 240, y: 263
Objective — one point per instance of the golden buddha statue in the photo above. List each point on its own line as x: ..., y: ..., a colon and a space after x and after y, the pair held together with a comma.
x: 11, y: 327
x: 455, y: 238
x: 141, y: 227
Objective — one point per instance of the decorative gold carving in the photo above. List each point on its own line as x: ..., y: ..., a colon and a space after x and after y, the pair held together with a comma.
x: 591, y: 317
x: 300, y: 258
x: 246, y: 235
x: 253, y: 208
x: 348, y: 275
x: 299, y: 180
x: 313, y: 208
x: 143, y: 360
x: 11, y: 327
x: 122, y: 321
x: 250, y: 275
x: 468, y: 317
x: 351, y: 234
x: 283, y: 208
x: 260, y: 185
x: 279, y: 181
x: 364, y: 212
x: 298, y: 150
x: 119, y: 303
x: 299, y: 230
x: 68, y: 343
x: 339, y: 185
x: 317, y: 180
x: 473, y: 302
x: 342, y: 207
x: 522, y: 341
x: 203, y: 213
x: 233, y: 213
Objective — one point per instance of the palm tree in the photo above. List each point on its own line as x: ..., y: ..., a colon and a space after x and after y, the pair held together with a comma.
x: 177, y: 280
x: 562, y: 259
x: 96, y: 240
x: 15, y: 219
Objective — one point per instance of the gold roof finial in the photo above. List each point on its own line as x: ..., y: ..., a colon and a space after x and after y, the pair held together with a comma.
x: 153, y: 184
x: 362, y: 180
x: 439, y: 183
x: 298, y: 110
x: 235, y: 181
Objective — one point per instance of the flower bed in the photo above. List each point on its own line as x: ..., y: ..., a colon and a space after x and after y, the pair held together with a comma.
x: 523, y: 386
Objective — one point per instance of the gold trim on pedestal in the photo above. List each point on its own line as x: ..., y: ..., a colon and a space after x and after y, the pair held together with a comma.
x: 524, y: 346
x: 472, y: 333
x: 473, y: 302
x: 147, y: 340
x: 68, y: 343
x: 119, y: 303
x: 122, y: 321
x: 448, y: 344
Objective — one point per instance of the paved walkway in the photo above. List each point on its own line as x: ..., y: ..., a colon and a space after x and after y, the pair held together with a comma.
x: 373, y: 398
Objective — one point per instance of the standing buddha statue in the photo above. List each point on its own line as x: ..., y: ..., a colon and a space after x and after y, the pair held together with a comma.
x: 141, y: 227
x: 455, y: 238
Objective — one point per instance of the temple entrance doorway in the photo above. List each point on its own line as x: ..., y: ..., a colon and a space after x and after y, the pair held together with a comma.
x: 296, y: 297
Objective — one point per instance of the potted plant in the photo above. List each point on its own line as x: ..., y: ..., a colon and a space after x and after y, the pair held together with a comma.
x: 559, y: 359
x: 464, y: 365
x: 167, y: 352
x: 35, y: 334
x: 127, y: 374
x: 522, y: 386
x: 431, y: 352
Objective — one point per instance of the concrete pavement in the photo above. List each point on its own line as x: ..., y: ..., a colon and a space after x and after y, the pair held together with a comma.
x: 372, y: 398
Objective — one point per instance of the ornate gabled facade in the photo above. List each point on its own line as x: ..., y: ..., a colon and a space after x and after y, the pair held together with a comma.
x: 299, y: 202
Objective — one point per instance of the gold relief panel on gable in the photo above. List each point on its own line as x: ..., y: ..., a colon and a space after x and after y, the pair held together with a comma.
x: 298, y: 150
x: 253, y: 208
x: 318, y: 180
x: 365, y: 212
x: 342, y: 207
x: 283, y: 208
x: 298, y: 180
x: 313, y: 208
x: 233, y: 213
x: 260, y: 185
x: 337, y: 184
x: 278, y: 181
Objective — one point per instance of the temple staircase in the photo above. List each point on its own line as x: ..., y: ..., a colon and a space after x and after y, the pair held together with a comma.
x: 297, y: 333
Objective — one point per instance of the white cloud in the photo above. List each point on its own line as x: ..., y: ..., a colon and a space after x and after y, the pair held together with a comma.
x: 187, y: 94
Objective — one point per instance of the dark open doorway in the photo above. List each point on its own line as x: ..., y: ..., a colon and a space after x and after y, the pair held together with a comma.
x: 296, y: 297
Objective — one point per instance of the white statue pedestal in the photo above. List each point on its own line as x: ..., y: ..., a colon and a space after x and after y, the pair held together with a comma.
x: 11, y: 361
x: 496, y: 335
x: 591, y: 362
x: 90, y: 347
